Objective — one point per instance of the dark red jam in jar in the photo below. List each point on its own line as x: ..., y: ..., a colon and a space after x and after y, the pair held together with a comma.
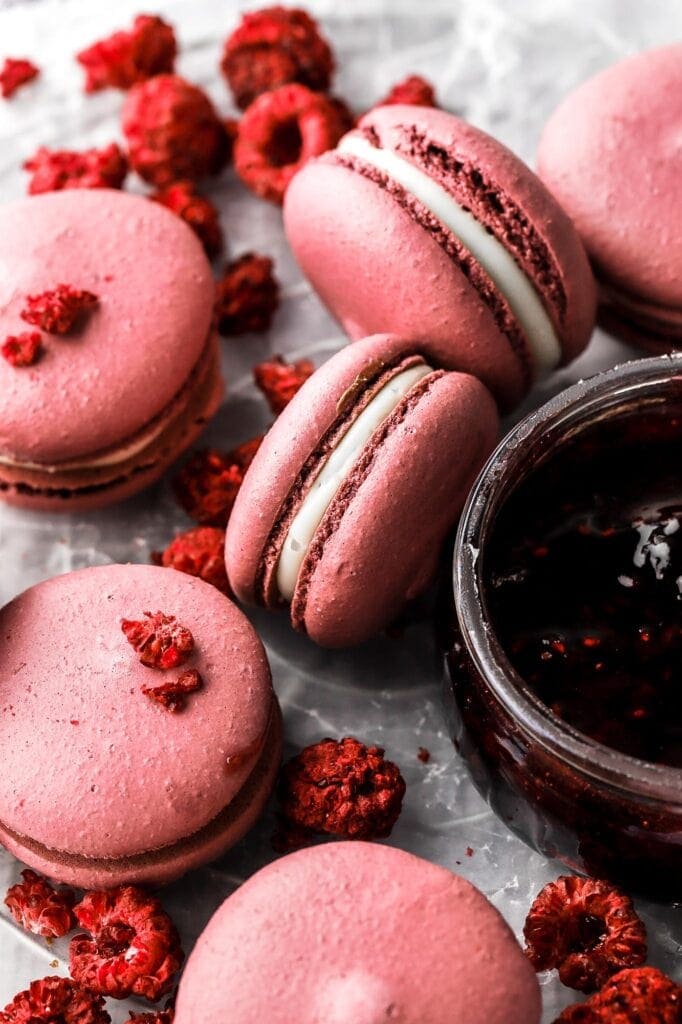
x: 564, y: 643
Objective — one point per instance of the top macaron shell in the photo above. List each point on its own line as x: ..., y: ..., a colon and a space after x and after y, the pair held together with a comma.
x: 381, y: 548
x: 92, y: 766
x: 612, y: 155
x: 379, y: 935
x: 101, y: 384
x: 378, y: 269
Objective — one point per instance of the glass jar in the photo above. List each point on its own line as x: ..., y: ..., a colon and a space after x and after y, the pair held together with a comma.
x: 599, y: 810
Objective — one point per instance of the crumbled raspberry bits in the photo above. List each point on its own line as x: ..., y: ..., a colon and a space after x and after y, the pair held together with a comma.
x: 14, y: 73
x: 127, y: 57
x: 22, y: 349
x: 279, y: 381
x: 413, y: 90
x: 55, y: 1001
x: 173, y: 695
x: 160, y: 640
x: 208, y: 484
x: 57, y: 310
x: 57, y: 169
x: 39, y: 908
x: 247, y: 296
x: 198, y: 552
x: 641, y: 995
x: 198, y: 213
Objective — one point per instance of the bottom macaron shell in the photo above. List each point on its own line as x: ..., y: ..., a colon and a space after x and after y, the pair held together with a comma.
x: 379, y: 542
x: 646, y: 325
x: 357, y: 933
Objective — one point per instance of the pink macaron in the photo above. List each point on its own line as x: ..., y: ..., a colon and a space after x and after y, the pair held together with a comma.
x: 356, y: 933
x: 344, y: 510
x: 116, y: 771
x: 109, y: 403
x: 612, y: 155
x: 424, y: 226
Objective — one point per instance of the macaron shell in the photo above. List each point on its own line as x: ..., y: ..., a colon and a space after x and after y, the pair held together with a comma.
x: 612, y: 155
x: 380, y: 270
x: 389, y: 530
x: 101, y: 384
x: 94, y: 767
x: 379, y: 935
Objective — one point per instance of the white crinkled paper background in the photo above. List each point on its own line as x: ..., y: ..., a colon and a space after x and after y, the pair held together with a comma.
x: 504, y: 66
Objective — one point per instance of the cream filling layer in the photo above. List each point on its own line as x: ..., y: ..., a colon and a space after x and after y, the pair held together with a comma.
x: 334, y: 470
x: 498, y: 263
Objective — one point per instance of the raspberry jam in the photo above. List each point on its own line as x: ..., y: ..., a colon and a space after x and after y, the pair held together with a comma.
x: 564, y: 642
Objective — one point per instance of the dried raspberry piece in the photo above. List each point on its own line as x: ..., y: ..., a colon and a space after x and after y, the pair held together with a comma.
x: 644, y: 995
x: 173, y: 131
x: 279, y: 381
x: 341, y: 788
x: 22, y: 349
x: 414, y: 90
x: 57, y: 310
x: 15, y: 73
x: 199, y: 552
x: 280, y: 132
x: 247, y: 295
x: 159, y: 1017
x: 39, y: 908
x: 55, y: 169
x: 55, y: 1001
x: 127, y: 57
x: 198, y: 212
x: 173, y: 696
x: 160, y: 640
x: 587, y: 929
x: 272, y: 47
x: 134, y: 949
x: 208, y: 484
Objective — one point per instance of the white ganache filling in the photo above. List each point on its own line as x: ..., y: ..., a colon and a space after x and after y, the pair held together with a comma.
x: 498, y: 263
x: 334, y: 470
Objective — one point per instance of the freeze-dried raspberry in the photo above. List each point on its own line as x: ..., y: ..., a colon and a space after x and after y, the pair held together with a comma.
x: 160, y: 640
x: 55, y: 1001
x: 57, y: 310
x: 641, y: 995
x: 199, y: 552
x: 414, y: 90
x: 280, y: 132
x: 341, y: 788
x: 15, y: 73
x: 133, y: 947
x: 247, y: 295
x: 127, y: 57
x: 39, y: 908
x: 173, y: 131
x: 55, y: 169
x: 173, y: 695
x: 158, y: 1017
x: 198, y: 212
x: 272, y: 47
x: 208, y: 484
x: 279, y: 381
x: 587, y: 929
x: 22, y: 349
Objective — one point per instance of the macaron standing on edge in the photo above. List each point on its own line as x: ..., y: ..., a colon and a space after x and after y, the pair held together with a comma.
x: 344, y: 510
x: 380, y: 935
x: 109, y: 404
x: 612, y: 154
x: 421, y: 225
x: 106, y: 778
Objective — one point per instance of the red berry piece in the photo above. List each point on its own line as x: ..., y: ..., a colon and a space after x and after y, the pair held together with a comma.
x: 22, y: 349
x: 159, y: 1017
x: 279, y: 381
x: 57, y: 310
x: 641, y: 995
x: 133, y: 947
x: 341, y: 788
x: 585, y: 928
x: 414, y: 90
x: 160, y: 641
x: 280, y: 132
x: 173, y: 695
x: 55, y: 1001
x: 127, y: 57
x: 55, y: 169
x: 208, y: 484
x: 247, y: 296
x: 199, y: 213
x: 199, y: 552
x: 272, y: 47
x: 173, y: 131
x: 39, y: 908
x: 14, y: 73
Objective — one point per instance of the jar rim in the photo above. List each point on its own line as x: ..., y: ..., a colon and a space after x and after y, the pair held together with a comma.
x: 581, y: 404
